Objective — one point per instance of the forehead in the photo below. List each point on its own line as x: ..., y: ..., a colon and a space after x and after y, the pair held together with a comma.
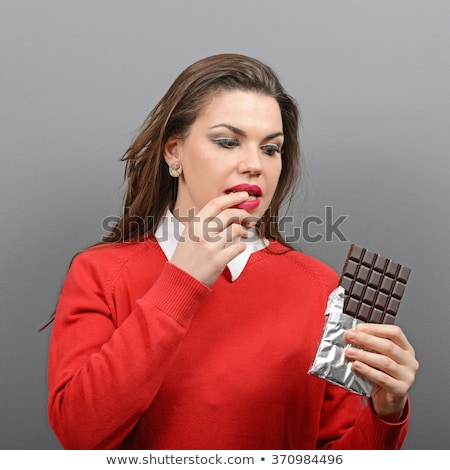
x: 243, y: 109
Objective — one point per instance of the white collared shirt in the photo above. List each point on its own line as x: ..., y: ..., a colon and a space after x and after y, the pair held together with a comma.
x: 169, y: 232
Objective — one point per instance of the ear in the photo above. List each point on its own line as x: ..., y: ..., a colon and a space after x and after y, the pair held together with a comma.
x: 172, y: 150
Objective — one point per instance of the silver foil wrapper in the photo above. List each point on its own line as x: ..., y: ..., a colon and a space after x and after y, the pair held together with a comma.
x: 330, y: 363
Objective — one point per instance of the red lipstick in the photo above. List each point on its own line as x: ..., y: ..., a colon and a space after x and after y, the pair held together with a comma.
x: 252, y: 189
x: 254, y: 193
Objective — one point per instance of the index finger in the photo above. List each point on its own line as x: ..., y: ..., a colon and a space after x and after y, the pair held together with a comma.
x: 391, y: 332
x: 225, y: 201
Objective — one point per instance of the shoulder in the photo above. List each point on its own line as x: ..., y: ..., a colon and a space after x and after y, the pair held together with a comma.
x: 308, y: 262
x: 108, y: 260
x: 307, y: 266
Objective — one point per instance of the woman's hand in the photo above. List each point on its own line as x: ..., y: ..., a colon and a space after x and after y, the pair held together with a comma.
x: 388, y: 361
x: 205, y: 249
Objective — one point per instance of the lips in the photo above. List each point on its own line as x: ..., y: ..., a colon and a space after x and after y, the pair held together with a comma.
x: 253, y: 191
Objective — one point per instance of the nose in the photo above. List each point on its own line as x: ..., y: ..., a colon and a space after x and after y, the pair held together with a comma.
x: 251, y: 163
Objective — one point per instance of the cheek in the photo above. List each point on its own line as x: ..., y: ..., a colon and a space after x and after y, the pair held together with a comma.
x: 275, y: 175
x: 198, y: 155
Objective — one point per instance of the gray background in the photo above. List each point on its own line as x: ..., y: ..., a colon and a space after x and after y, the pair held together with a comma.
x: 77, y: 79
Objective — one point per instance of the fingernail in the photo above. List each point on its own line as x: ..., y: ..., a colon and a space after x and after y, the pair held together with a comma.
x: 363, y: 327
x: 352, y: 334
x: 350, y: 352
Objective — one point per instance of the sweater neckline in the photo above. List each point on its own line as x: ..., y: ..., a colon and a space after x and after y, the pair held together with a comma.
x: 169, y: 232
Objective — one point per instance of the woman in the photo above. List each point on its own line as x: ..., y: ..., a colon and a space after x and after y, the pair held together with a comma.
x: 193, y: 325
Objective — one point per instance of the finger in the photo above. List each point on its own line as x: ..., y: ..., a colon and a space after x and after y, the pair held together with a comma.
x: 232, y: 250
x: 380, y: 345
x: 385, y: 373
x: 382, y: 370
x: 235, y: 231
x: 369, y: 335
x: 376, y: 361
x: 214, y: 207
x: 215, y: 232
x: 392, y: 332
x: 220, y: 203
x: 230, y: 243
x: 382, y: 354
x: 227, y: 218
x: 218, y: 228
x: 389, y: 382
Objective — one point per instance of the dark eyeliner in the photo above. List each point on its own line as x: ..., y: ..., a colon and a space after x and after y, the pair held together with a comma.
x: 226, y: 142
x: 271, y: 149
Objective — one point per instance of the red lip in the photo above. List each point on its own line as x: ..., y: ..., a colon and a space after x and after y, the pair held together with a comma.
x: 252, y: 189
x: 248, y: 205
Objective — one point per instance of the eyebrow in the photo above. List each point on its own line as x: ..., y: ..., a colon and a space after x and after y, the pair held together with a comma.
x: 243, y: 134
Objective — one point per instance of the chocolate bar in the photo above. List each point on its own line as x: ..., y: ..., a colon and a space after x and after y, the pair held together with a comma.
x: 374, y: 286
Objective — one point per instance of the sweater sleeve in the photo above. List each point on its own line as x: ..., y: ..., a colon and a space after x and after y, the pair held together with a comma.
x: 347, y: 425
x: 101, y: 376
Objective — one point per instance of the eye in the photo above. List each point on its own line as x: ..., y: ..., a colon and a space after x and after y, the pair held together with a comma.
x: 271, y: 149
x: 226, y: 142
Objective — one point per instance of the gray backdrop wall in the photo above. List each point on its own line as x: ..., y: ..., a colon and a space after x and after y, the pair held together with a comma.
x: 77, y: 79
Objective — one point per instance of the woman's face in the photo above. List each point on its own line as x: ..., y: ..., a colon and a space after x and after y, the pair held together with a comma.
x: 234, y: 144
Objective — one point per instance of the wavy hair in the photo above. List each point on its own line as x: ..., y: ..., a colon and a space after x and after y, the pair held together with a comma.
x: 151, y: 190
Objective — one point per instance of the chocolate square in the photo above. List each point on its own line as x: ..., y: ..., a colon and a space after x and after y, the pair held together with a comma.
x: 374, y: 286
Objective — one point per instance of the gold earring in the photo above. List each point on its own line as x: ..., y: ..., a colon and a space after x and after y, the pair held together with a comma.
x: 175, y: 170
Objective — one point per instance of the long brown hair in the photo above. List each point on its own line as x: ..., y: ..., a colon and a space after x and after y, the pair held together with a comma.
x: 150, y: 188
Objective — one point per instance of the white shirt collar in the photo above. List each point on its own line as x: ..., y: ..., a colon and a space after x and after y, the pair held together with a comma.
x: 169, y: 232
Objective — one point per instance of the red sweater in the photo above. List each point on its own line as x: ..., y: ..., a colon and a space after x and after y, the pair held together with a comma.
x: 143, y: 356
